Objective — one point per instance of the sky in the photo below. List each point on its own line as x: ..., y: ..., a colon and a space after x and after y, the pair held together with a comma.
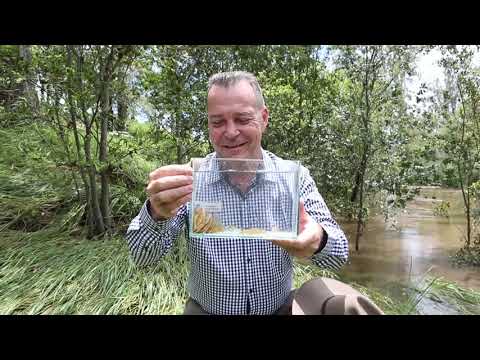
x: 429, y: 72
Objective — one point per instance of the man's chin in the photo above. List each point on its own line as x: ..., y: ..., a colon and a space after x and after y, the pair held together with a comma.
x: 238, y: 153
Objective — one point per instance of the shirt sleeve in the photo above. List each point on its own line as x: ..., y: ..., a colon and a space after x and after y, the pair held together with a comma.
x: 335, y: 252
x: 148, y: 239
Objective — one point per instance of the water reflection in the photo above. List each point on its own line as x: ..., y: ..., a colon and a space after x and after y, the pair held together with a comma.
x: 422, y: 242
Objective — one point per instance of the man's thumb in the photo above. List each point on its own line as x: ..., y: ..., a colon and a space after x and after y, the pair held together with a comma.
x: 303, y: 216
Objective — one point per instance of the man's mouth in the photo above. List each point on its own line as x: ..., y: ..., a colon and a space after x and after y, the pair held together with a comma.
x: 233, y: 146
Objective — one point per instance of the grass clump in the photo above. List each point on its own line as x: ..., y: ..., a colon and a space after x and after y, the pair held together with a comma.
x: 48, y: 272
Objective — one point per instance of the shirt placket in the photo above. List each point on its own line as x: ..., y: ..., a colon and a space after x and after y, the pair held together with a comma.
x: 249, y: 200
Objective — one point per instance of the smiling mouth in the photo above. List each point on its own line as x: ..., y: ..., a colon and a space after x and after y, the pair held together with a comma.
x: 233, y: 146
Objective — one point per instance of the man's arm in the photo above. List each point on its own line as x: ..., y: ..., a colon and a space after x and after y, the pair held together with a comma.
x: 148, y: 239
x: 333, y: 250
x: 152, y: 233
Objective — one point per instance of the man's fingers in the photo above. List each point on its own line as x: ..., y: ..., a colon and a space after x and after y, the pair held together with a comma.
x: 169, y: 188
x: 170, y: 170
x: 169, y: 182
x: 172, y: 209
x: 183, y: 200
x: 288, y: 244
x: 171, y: 195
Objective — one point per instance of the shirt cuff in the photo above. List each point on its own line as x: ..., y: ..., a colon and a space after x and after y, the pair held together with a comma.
x: 149, y: 222
x: 323, y: 241
x: 327, y: 249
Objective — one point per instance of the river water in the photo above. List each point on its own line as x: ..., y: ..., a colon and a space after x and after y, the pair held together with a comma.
x: 412, y: 243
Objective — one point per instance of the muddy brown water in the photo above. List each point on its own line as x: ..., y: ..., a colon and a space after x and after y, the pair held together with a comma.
x: 412, y: 243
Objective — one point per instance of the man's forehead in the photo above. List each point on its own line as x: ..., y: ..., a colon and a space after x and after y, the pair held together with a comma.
x: 235, y: 113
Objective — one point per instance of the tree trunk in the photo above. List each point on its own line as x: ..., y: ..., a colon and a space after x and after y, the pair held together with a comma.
x: 79, y: 156
x: 83, y: 175
x: 353, y: 198
x: 178, y: 137
x: 360, y: 221
x: 64, y: 139
x: 122, y: 113
x: 103, y: 157
x: 97, y: 220
x: 179, y: 149
x: 97, y: 214
x: 469, y: 228
x: 111, y: 115
x: 366, y: 148
x: 28, y: 85
x: 466, y: 198
x: 360, y: 217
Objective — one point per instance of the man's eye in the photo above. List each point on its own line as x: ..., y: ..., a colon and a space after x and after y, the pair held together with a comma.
x: 244, y: 120
x: 217, y: 123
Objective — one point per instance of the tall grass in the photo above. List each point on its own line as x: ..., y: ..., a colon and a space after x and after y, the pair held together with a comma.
x: 47, y: 272
x: 462, y: 300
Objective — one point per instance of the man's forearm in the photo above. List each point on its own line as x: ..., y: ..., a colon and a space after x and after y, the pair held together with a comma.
x: 148, y: 239
x: 333, y: 250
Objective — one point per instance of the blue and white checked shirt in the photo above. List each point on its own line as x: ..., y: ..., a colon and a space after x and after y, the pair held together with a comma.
x: 234, y: 276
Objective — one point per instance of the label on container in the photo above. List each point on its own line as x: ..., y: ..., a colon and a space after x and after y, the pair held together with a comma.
x: 209, y: 206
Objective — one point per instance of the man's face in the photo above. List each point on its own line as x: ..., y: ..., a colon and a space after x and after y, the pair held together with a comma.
x: 235, y: 123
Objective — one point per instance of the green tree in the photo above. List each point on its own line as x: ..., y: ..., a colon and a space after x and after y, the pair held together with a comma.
x: 77, y: 104
x: 374, y: 81
x: 461, y: 110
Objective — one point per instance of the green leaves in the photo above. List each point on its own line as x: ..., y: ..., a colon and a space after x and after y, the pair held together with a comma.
x: 334, y: 108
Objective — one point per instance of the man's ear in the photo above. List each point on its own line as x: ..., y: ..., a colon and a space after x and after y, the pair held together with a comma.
x: 265, y: 117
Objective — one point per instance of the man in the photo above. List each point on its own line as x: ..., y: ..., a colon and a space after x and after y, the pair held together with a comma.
x: 229, y: 276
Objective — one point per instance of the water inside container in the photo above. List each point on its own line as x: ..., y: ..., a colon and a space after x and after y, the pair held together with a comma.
x: 244, y: 198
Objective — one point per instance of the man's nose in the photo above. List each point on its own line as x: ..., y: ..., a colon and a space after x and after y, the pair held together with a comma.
x: 231, y: 130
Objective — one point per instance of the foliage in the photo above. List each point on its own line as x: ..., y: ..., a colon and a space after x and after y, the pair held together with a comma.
x: 441, y: 209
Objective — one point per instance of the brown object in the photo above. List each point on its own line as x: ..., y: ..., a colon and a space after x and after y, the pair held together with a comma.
x: 199, y: 219
x: 193, y: 308
x: 323, y: 296
x: 205, y: 222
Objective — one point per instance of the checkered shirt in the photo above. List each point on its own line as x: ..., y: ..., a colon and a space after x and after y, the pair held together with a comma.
x: 240, y: 276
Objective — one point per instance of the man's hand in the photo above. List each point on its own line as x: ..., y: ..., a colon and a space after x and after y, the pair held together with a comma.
x: 309, y: 237
x: 169, y: 187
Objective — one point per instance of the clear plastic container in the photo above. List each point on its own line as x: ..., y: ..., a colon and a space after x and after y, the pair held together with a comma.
x: 244, y: 198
